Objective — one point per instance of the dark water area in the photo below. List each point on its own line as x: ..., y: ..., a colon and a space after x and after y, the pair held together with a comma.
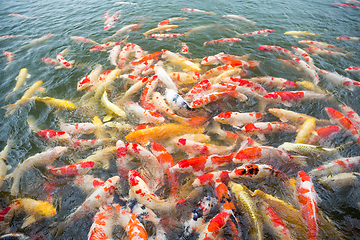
x: 86, y: 18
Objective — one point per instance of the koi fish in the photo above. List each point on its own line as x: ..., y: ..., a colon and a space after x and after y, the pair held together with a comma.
x: 71, y: 170
x: 308, y: 204
x: 288, y: 98
x: 191, y: 10
x: 3, y: 157
x: 318, y: 44
x: 39, y: 40
x: 62, y: 61
x: 77, y: 128
x: 79, y: 39
x: 293, y: 117
x: 165, y: 36
x: 170, y: 20
x: 276, y: 49
x: 111, y: 106
x: 10, y: 57
x: 239, y: 18
x: 310, y: 150
x: 350, y: 39
x: 297, y: 34
x: 327, y: 53
x: 20, y: 81
x: 144, y: 115
x: 261, y: 128
x: 222, y: 41
x: 22, y: 16
x: 323, y: 134
x: 56, y: 103
x: 350, y: 113
x: 54, y: 136
x: 103, y: 222
x: 181, y: 78
x: 125, y: 3
x: 214, y: 227
x: 44, y: 158
x: 101, y: 157
x: 211, y: 97
x: 160, y: 29
x: 90, y: 79
x: 274, y: 82
x: 310, y: 86
x: 305, y: 56
x: 87, y: 183
x: 183, y: 62
x: 345, y: 5
x: 310, y: 72
x: 305, y: 130
x: 340, y: 80
x: 104, y: 47
x: 264, y: 32
x: 352, y: 69
x: 237, y: 119
x: 50, y: 61
x: 341, y: 120
x: 12, y: 36
x: 336, y: 166
x: 124, y: 30
x: 340, y: 181
x: 151, y: 56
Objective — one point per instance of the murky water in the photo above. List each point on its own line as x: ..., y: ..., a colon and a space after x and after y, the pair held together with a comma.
x: 85, y: 18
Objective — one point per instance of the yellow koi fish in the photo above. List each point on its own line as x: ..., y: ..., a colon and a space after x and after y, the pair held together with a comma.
x: 20, y: 81
x: 56, y: 103
x: 297, y: 34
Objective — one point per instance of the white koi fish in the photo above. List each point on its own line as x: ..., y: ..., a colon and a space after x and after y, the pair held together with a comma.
x: 114, y: 53
x: 39, y: 40
x: 77, y: 128
x: 239, y: 18
x: 191, y: 10
x: 144, y: 115
x: 340, y: 80
x: 20, y: 81
x: 237, y: 119
x: 79, y: 39
x: 164, y: 77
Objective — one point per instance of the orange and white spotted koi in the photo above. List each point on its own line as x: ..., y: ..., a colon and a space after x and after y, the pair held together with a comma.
x: 123, y: 159
x: 308, y: 204
x: 87, y: 183
x: 72, y: 170
x: 91, y: 79
x: 139, y: 68
x: 288, y: 98
x: 162, y: 36
x: 264, y: 32
x: 248, y: 171
x: 340, y: 80
x: 264, y: 154
x: 110, y: 20
x: 61, y: 60
x: 140, y: 190
x: 125, y: 52
x: 237, y: 62
x: 195, y: 148
x: 276, y: 49
x: 216, y: 71
x: 106, y: 46
x: 193, y: 10
x: 336, y: 166
x: 77, y: 128
x: 341, y: 120
x: 323, y: 134
x: 184, y: 48
x: 52, y: 135
x: 184, y: 78
x: 274, y: 82
x: 318, y: 44
x: 103, y: 195
x: 148, y: 90
x: 350, y: 113
x: 352, y: 69
x: 213, y: 229
x: 239, y: 18
x: 245, y: 83
x: 261, y: 128
x: 198, y: 90
x: 170, y: 20
x: 305, y: 56
x: 151, y: 56
x: 237, y: 119
x: 211, y: 97
x: 83, y: 40
x: 43, y: 158
x: 350, y: 39
x: 223, y: 41
x: 85, y: 144
x: 50, y: 61
x: 248, y: 91
x: 103, y: 223
x: 144, y: 115
x: 202, y: 164
x: 10, y: 57
x: 308, y: 70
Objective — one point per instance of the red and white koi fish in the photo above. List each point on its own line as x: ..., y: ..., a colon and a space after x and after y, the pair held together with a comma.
x: 350, y: 39
x: 39, y: 40
x: 353, y: 69
x: 162, y: 36
x: 308, y: 204
x: 79, y: 39
x: 350, y: 113
x: 236, y: 62
x: 274, y: 82
x: 144, y: 115
x: 288, y: 98
x: 141, y: 191
x: 248, y: 171
x: 198, y: 90
x: 103, y: 223
x: 103, y: 195
x: 20, y: 81
x: 264, y: 32
x: 276, y: 49
x: 145, y: 100
x: 110, y: 20
x: 261, y: 128
x: 184, y: 78
x: 220, y: 87
x: 216, y: 71
x: 213, y: 229
x: 84, y: 144
x: 87, y: 183
x: 22, y: 16
x: 222, y: 41
x: 43, y: 158
x: 239, y: 18
x: 310, y: 71
x: 237, y: 119
x: 245, y: 83
x: 202, y: 164
x: 305, y: 56
x: 272, y: 219
x: 77, y: 128
x: 62, y: 61
x: 336, y: 166
x: 195, y: 148
x: 101, y: 157
x: 264, y: 153
x: 211, y: 97
x: 161, y: 29
x: 293, y: 117
x: 318, y: 44
x: 72, y: 170
x: 190, y: 10
x: 170, y: 20
x: 327, y: 53
x: 125, y: 52
x: 151, y: 56
x: 50, y: 61
x: 106, y: 46
x: 198, y: 215
x: 340, y: 80
x: 184, y: 48
x: 141, y: 67
x: 10, y: 57
x: 134, y: 229
x: 12, y: 36
x: 323, y: 134
x: 345, y: 5
x: 123, y: 159
x: 341, y: 120
x: 91, y: 79
x: 135, y: 87
x: 52, y: 135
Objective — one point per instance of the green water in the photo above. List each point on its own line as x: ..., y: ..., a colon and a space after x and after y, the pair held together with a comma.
x: 85, y: 18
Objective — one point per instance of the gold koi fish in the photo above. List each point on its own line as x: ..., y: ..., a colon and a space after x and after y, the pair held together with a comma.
x: 297, y: 34
x: 161, y: 29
